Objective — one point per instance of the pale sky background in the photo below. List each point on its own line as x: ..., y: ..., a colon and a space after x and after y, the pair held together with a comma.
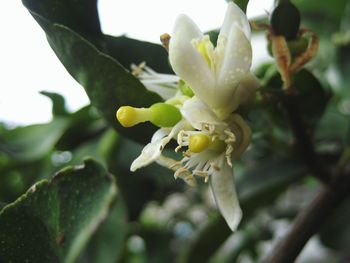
x: 28, y: 65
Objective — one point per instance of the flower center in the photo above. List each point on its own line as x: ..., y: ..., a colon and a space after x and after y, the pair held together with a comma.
x: 198, y: 143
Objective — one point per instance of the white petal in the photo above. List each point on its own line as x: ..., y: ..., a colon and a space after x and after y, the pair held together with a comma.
x: 236, y: 62
x: 243, y: 134
x: 245, y: 90
x: 222, y: 186
x: 165, y: 92
x: 185, y: 60
x: 153, y: 150
x: 235, y: 16
x: 197, y: 113
x: 235, y: 65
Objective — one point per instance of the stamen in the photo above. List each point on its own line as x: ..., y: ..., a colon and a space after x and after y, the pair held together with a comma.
x: 173, y: 166
x: 137, y: 70
x: 202, y: 174
x: 180, y: 171
x: 228, y: 160
x: 187, y: 154
x: 215, y: 166
x: 165, y: 40
x: 177, y: 149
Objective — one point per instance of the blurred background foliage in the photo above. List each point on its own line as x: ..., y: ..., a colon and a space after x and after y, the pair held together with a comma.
x: 101, y: 212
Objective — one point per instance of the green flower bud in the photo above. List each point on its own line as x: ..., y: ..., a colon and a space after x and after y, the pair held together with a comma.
x: 285, y: 20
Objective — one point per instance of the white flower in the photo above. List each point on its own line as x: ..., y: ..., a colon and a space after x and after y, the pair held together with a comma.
x: 216, y: 74
x: 226, y: 140
x: 152, y: 151
x: 210, y: 133
x: 209, y: 158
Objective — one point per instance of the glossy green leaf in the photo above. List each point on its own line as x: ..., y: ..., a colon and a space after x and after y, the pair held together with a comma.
x: 32, y: 142
x: 334, y: 126
x: 55, y: 219
x: 335, y: 233
x: 310, y: 99
x: 108, y: 84
x: 16, y: 177
x: 129, y: 51
x: 84, y: 125
x: 343, y: 54
x: 313, y: 7
x: 241, y: 3
x: 108, y: 242
x: 58, y: 103
x: 79, y: 15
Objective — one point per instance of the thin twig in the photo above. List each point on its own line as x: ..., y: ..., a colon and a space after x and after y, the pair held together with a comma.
x: 310, y: 219
x: 335, y: 190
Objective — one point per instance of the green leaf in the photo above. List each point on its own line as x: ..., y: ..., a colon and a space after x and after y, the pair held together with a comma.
x: 241, y: 3
x: 313, y: 8
x: 84, y: 125
x: 258, y: 186
x: 108, y: 84
x: 334, y: 126
x: 32, y: 142
x: 335, y: 233
x: 130, y: 51
x: 55, y: 219
x: 58, y: 103
x: 310, y: 99
x: 79, y: 15
x: 157, y: 242
x: 150, y: 183
x: 108, y: 242
x: 16, y: 177
x: 343, y: 54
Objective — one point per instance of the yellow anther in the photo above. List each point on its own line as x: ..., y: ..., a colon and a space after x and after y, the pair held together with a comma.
x: 198, y: 143
x: 129, y: 116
